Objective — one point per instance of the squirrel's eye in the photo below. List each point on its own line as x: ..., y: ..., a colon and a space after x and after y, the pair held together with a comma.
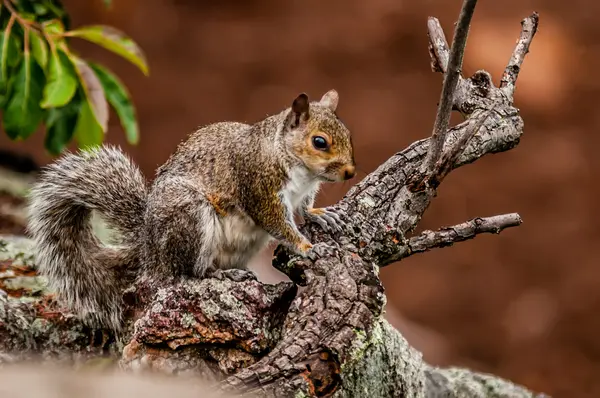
x: 319, y: 143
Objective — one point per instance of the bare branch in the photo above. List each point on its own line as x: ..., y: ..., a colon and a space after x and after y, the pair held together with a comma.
x: 457, y: 52
x: 439, y: 51
x: 448, y: 236
x: 383, y: 197
x: 529, y: 27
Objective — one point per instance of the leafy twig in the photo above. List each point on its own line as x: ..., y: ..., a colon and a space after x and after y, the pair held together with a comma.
x: 25, y: 24
x: 60, y: 103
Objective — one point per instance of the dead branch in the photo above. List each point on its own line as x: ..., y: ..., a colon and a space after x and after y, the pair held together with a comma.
x: 529, y: 27
x: 448, y: 236
x: 439, y: 51
x: 451, y: 77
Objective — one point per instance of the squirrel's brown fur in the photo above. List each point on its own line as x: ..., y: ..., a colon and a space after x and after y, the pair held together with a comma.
x: 216, y: 202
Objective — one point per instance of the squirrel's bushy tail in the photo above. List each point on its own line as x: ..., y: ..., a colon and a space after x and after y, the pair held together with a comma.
x: 87, y: 276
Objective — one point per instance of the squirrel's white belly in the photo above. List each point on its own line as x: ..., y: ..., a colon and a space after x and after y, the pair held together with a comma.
x: 239, y: 230
x: 235, y: 239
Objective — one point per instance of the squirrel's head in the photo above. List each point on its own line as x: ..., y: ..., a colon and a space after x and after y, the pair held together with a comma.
x: 319, y: 139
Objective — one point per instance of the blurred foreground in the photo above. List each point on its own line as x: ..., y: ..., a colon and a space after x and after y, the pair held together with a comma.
x: 28, y: 381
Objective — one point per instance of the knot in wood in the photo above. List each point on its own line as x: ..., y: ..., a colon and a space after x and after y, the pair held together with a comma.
x: 322, y: 374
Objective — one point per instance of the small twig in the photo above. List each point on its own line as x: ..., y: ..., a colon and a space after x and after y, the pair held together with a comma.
x: 10, y: 24
x: 25, y: 23
x: 14, y: 13
x: 439, y: 51
x: 451, y: 76
x: 443, y: 237
x: 529, y: 27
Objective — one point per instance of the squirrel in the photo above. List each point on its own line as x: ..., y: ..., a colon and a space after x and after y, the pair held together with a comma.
x: 226, y: 191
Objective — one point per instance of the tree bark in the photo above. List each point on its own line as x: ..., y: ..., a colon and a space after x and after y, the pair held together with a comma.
x: 328, y: 337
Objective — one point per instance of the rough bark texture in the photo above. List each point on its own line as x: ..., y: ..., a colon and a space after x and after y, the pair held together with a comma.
x: 329, y: 339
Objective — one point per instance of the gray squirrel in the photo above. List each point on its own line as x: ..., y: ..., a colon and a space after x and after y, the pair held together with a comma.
x: 225, y: 192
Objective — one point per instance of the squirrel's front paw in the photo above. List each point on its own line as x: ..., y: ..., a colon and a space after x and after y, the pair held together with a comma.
x: 303, y: 248
x: 327, y: 219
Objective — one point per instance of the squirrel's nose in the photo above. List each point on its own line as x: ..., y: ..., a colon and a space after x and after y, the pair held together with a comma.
x: 349, y: 172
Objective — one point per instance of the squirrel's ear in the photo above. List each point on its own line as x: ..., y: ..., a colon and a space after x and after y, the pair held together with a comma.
x: 299, y: 112
x: 330, y: 100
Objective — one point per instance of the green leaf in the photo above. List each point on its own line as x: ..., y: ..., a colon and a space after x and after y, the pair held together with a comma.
x: 29, y: 16
x: 53, y: 27
x: 23, y: 113
x: 60, y: 124
x: 39, y: 49
x: 88, y: 132
x: 107, y: 3
x: 54, y: 30
x: 114, y: 40
x: 62, y: 81
x: 93, y: 91
x: 9, y: 54
x: 118, y: 96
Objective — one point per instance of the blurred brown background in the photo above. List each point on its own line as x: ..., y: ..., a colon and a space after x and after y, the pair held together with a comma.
x: 525, y: 304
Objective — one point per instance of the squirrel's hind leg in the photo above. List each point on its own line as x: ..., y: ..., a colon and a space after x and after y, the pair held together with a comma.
x: 209, y: 238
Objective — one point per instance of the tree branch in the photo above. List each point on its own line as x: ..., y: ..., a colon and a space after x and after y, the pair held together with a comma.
x: 529, y: 27
x: 448, y: 236
x: 449, y: 158
x: 451, y: 77
x: 439, y: 51
x: 382, y: 206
